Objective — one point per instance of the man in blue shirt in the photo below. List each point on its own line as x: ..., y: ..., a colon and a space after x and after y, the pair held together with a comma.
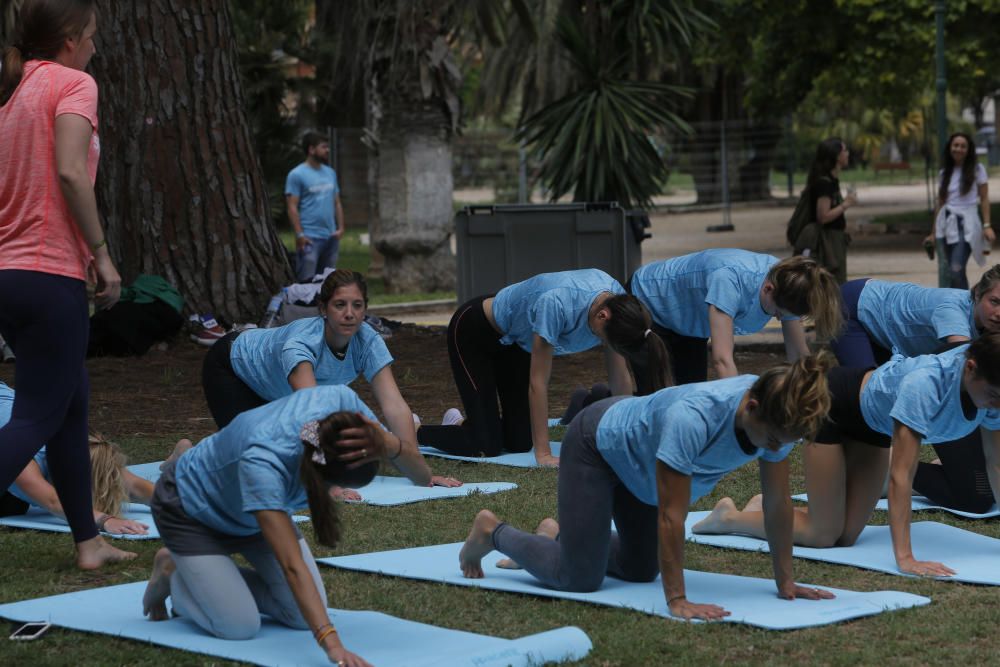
x: 312, y: 195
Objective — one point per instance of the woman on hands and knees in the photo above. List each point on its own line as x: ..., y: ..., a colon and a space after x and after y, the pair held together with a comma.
x: 234, y: 493
x: 501, y: 347
x: 247, y: 369
x: 642, y: 461
x: 903, y: 404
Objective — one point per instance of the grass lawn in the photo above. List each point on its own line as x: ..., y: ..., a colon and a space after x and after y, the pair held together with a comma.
x: 958, y: 628
x: 355, y: 256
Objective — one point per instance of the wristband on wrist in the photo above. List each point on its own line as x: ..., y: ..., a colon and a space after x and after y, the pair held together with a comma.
x: 320, y: 636
x: 675, y: 598
x: 102, y: 520
x: 300, y: 235
x: 987, y: 226
x: 100, y: 244
x: 398, y: 451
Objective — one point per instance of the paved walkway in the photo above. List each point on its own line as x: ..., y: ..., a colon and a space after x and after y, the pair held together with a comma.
x: 761, y: 228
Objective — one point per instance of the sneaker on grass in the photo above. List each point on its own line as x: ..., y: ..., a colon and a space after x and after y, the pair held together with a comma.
x: 452, y: 417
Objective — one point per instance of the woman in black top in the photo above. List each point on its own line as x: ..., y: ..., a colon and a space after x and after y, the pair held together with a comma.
x: 824, y: 188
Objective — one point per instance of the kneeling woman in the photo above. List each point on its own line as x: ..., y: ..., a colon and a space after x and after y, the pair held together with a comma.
x: 245, y: 370
x: 112, y: 483
x: 722, y: 293
x: 234, y: 493
x: 502, y: 346
x: 642, y: 462
x: 902, y: 404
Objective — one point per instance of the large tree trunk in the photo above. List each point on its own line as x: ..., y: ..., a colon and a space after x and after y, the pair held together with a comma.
x: 180, y: 186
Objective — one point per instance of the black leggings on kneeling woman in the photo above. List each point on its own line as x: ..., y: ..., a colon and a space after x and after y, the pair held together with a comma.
x: 484, y: 371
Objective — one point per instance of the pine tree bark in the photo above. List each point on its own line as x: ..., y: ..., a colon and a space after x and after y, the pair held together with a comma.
x: 180, y: 186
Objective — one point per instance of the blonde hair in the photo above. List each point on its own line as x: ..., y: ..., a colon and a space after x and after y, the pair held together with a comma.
x: 106, y: 465
x: 795, y: 398
x: 804, y: 288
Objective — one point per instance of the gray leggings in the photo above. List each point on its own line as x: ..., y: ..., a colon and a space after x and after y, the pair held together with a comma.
x: 227, y: 600
x: 590, y: 495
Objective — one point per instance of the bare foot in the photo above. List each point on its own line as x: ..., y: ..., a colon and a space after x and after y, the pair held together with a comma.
x: 182, y: 446
x: 95, y: 552
x: 716, y: 521
x: 478, y: 544
x: 548, y: 527
x: 154, y: 600
x: 755, y: 504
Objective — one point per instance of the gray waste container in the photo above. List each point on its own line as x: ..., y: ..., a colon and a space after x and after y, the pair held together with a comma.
x: 500, y: 245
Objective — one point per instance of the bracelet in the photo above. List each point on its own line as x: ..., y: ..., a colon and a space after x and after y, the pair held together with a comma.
x: 102, y: 520
x: 100, y: 244
x: 323, y: 635
x: 987, y: 226
x: 398, y: 451
x: 300, y: 235
x: 676, y: 597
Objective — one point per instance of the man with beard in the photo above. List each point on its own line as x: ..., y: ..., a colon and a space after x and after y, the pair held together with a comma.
x: 312, y: 195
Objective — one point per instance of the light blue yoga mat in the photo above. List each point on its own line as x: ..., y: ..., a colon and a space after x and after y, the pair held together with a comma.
x: 555, y: 421
x: 752, y: 601
x: 400, y: 491
x: 972, y: 556
x: 39, y: 519
x: 382, y: 490
x: 520, y: 460
x: 920, y: 503
x: 379, y: 638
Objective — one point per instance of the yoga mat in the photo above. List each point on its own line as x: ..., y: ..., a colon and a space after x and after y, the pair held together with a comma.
x: 920, y: 503
x: 379, y: 638
x: 382, y: 490
x: 752, y: 601
x: 555, y: 421
x: 972, y: 556
x: 519, y: 460
x: 400, y: 491
x: 39, y: 519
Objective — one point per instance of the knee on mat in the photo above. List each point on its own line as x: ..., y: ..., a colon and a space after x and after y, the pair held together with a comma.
x: 583, y: 584
x: 848, y: 539
x: 823, y: 540
x: 238, y: 627
x: 641, y: 574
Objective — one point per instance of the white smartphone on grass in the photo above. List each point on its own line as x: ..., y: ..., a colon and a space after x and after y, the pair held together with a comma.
x: 32, y: 630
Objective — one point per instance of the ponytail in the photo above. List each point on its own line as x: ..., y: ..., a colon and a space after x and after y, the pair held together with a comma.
x: 629, y: 332
x: 42, y: 28
x: 795, y: 398
x: 316, y: 476
x: 804, y: 288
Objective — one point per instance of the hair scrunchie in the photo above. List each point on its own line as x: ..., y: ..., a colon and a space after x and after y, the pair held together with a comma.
x: 646, y: 334
x: 310, y: 435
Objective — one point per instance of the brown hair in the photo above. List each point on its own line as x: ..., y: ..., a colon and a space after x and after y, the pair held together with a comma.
x: 317, y: 477
x: 985, y: 351
x: 106, y: 465
x: 342, y: 278
x: 968, y: 167
x: 804, y: 288
x: 794, y: 397
x: 43, y: 26
x: 311, y: 140
x: 989, y: 280
x: 629, y: 333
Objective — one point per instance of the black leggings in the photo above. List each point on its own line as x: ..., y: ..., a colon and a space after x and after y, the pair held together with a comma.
x: 44, y: 319
x: 960, y: 482
x: 484, y: 370
x: 226, y: 394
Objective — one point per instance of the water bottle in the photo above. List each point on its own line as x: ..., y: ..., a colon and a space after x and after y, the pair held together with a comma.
x: 271, y: 314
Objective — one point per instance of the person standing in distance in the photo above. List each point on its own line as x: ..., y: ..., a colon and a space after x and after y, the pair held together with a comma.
x: 312, y: 196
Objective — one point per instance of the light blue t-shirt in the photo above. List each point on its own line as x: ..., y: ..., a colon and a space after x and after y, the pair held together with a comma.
x: 253, y: 463
x: 689, y: 427
x: 6, y: 405
x: 263, y: 358
x: 923, y: 393
x: 912, y: 319
x: 316, y: 190
x: 678, y: 291
x: 554, y: 306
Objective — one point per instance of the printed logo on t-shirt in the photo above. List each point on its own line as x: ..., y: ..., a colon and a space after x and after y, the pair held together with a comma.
x: 318, y: 189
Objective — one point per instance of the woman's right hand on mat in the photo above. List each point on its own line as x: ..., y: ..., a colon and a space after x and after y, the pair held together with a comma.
x: 547, y: 461
x: 341, y: 657
x: 687, y: 610
x: 925, y: 568
x: 117, y: 526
